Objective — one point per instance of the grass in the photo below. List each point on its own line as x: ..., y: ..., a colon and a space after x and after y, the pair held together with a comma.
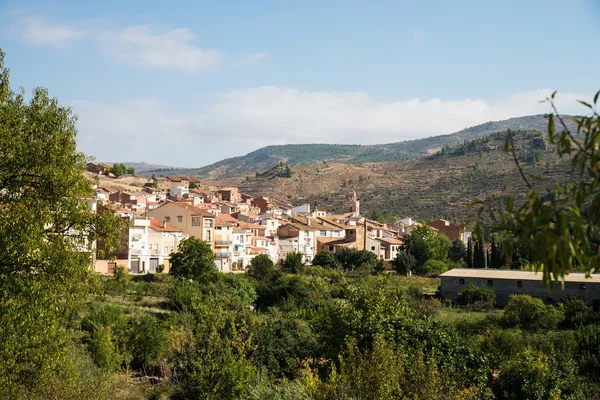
x: 452, y: 315
x: 428, y: 285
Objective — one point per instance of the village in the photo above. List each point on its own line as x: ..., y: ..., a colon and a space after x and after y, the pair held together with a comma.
x: 167, y: 210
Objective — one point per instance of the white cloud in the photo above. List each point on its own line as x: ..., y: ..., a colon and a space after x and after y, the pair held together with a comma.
x: 418, y: 34
x: 248, y: 60
x: 174, y: 49
x: 39, y: 31
x: 136, y: 45
x: 243, y: 120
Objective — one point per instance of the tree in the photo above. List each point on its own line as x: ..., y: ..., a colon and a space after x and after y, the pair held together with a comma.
x: 479, y: 256
x: 457, y: 251
x: 293, y: 263
x: 131, y: 171
x: 262, y: 268
x: 117, y: 170
x: 47, y: 228
x: 475, y: 293
x: 404, y: 262
x: 326, y: 259
x: 432, y: 266
x: 561, y: 231
x: 469, y: 258
x: 530, y: 313
x: 425, y: 244
x: 194, y: 259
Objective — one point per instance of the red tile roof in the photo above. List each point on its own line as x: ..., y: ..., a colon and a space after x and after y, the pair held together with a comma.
x: 195, y: 210
x: 159, y: 226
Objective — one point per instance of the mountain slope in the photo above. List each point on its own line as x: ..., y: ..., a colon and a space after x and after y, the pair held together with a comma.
x: 429, y: 187
x: 304, y: 154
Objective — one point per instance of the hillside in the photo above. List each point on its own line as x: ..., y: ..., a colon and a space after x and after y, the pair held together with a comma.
x: 428, y: 187
x: 304, y: 154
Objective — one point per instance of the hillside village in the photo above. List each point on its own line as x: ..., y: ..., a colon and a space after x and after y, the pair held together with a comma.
x: 167, y: 210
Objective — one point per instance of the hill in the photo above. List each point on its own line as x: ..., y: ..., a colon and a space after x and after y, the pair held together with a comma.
x: 440, y: 185
x: 304, y: 154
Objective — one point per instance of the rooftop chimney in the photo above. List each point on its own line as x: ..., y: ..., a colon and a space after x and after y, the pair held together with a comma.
x: 165, y: 224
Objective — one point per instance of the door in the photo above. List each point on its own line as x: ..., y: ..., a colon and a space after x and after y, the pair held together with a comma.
x: 153, y: 265
x: 135, y: 266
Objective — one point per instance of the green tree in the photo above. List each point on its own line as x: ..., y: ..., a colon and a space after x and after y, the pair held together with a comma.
x: 117, y: 170
x: 326, y: 259
x: 469, y: 257
x: 293, y: 263
x: 559, y: 230
x: 404, y: 262
x: 530, y: 313
x: 194, y: 259
x: 47, y: 228
x: 131, y: 171
x: 425, y: 244
x: 433, y: 266
x: 262, y: 268
x: 475, y: 293
x: 457, y: 251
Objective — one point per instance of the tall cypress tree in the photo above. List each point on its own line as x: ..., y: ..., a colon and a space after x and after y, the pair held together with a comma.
x: 470, y: 253
x: 479, y: 256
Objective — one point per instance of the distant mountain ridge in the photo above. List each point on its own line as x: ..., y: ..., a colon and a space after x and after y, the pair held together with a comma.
x: 303, y: 154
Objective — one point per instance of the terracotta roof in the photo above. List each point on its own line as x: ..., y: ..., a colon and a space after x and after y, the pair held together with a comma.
x: 195, y: 210
x: 248, y: 225
x: 227, y: 217
x: 158, y: 226
x: 392, y: 241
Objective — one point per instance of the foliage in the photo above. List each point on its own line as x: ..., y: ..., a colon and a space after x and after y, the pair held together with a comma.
x: 560, y: 230
x: 262, y: 268
x: 47, y: 228
x: 194, y: 259
x: 457, y: 251
x: 425, y: 244
x: 433, y: 266
x: 326, y: 259
x: 531, y: 313
x: 588, y: 338
x: 530, y: 374
x: 358, y: 260
x: 473, y: 294
x: 404, y: 262
x: 293, y: 263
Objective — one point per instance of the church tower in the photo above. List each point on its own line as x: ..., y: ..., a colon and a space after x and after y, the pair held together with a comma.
x: 353, y: 204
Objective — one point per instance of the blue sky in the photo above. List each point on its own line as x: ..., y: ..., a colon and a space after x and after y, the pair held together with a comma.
x: 188, y: 83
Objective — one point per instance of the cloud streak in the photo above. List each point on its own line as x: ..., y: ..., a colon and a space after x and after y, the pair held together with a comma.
x: 240, y: 121
x: 39, y: 31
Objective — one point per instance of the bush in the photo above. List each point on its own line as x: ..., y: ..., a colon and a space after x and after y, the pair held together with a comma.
x: 588, y: 338
x: 261, y: 268
x: 149, y: 342
x: 404, y: 262
x: 183, y: 295
x: 326, y: 259
x: 433, y: 266
x: 473, y: 294
x: 530, y: 313
x: 578, y: 314
x: 293, y: 263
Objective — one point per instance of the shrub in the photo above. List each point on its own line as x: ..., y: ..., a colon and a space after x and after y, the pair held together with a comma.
x: 261, y: 268
x: 578, y: 314
x: 473, y: 294
x: 404, y: 262
x: 149, y: 342
x: 433, y: 266
x: 530, y: 313
x: 293, y: 263
x: 588, y: 338
x: 326, y: 259
x: 183, y: 295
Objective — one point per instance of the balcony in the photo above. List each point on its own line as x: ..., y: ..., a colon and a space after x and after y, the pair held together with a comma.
x: 136, y: 252
x: 223, y: 242
x: 155, y: 252
x: 222, y: 255
x: 136, y: 237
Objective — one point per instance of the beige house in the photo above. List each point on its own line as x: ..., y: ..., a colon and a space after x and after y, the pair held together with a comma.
x: 193, y: 221
x: 223, y: 245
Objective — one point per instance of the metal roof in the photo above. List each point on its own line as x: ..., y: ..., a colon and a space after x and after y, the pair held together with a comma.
x: 515, y: 274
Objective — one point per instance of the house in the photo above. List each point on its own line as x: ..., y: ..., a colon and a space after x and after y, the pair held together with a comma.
x: 296, y: 237
x: 178, y: 189
x: 223, y: 244
x: 179, y: 181
x: 354, y: 238
x: 163, y: 184
x: 507, y: 282
x: 389, y: 247
x: 193, y: 221
x: 123, y: 198
x: 232, y: 195
x: 151, y: 243
x: 98, y: 168
x: 453, y: 231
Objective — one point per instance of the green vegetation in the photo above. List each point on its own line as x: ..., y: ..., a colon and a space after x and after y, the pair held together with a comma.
x: 120, y: 169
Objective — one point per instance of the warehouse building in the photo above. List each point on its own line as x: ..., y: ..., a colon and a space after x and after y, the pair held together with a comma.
x: 507, y: 282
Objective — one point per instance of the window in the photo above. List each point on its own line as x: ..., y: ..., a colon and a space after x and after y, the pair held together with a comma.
x: 331, y: 248
x: 335, y: 234
x: 519, y: 284
x: 461, y: 281
x: 166, y: 249
x: 490, y: 282
x: 373, y: 248
x: 171, y: 249
x: 167, y: 219
x: 322, y: 233
x: 196, y: 221
x: 180, y: 218
x: 582, y: 286
x: 208, y: 222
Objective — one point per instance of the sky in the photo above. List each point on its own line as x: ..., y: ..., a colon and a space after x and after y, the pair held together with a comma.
x: 188, y: 83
